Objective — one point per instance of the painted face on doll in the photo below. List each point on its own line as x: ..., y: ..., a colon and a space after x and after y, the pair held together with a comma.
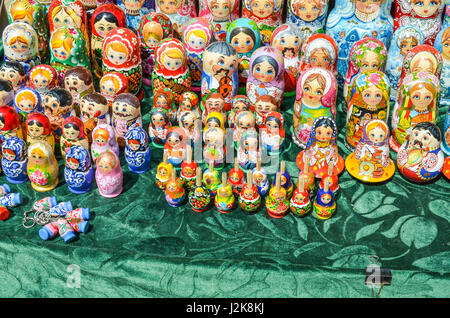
x: 215, y: 105
x: 372, y: 95
x: 421, y: 99
x: 90, y: 109
x: 313, y: 92
x: 74, y: 84
x: 133, y: 5
x: 40, y: 81
x: 246, y: 122
x: 19, y: 46
x: 11, y: 75
x: 212, y: 140
x: 376, y: 135
x: 162, y: 102
x: 172, y: 64
x: 407, y: 44
x: 60, y: 53
x: 370, y: 62
x: 9, y: 155
x: 219, y: 65
x: 103, y: 27
x: 258, y: 178
x: 196, y: 42
x: 71, y: 133
x: 63, y: 19
x: 162, y: 172
x: 188, y: 123
x: 220, y: 9
x: 251, y: 144
x: 242, y: 43
x: 72, y: 164
x: 289, y: 45
x: 423, y: 62
x: 320, y: 58
x: 262, y: 8
x: 263, y: 108
x: 186, y: 105
x: 100, y: 141
x: 422, y: 139
x: 213, y: 123
x: 35, y: 130
x: 107, y: 88
x: 247, y: 193
x: 106, y: 164
x: 446, y: 49
x: 151, y: 41
x: 234, y: 177
x: 308, y: 10
x: 26, y: 105
x: 425, y: 8
x: 37, y: 158
x: 325, y: 198
x: 188, y: 172
x: 51, y: 105
x: 299, y: 197
x: 324, y: 134
x: 174, y: 141
x: 133, y: 145
x: 368, y: 6
x: 240, y: 107
x: 168, y: 6
x: 279, y: 195
x: 124, y: 111
x: 117, y: 58
x: 272, y: 126
x: 158, y: 120
x: 224, y: 192
x: 264, y: 72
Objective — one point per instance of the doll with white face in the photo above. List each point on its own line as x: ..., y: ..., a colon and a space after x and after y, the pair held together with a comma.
x: 137, y: 150
x: 264, y: 104
x: 175, y: 146
x: 189, y: 102
x: 308, y: 16
x: 103, y: 139
x: 43, y: 78
x: 272, y: 135
x: 244, y: 121
x: 189, y: 121
x: 108, y: 175
x: 79, y: 82
x: 38, y: 128
x: 126, y: 112
x: 14, y: 72
x: 113, y: 84
x: 219, y: 13
x: 214, y: 149
x: 94, y: 110
x: 248, y: 152
x: 27, y: 101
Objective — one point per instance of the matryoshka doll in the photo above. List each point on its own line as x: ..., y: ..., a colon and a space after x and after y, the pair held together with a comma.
x: 224, y: 199
x: 240, y: 103
x: 137, y: 150
x: 266, y: 74
x: 219, y: 13
x: 308, y: 176
x: 368, y: 99
x: 260, y: 178
x: 188, y: 170
x: 38, y: 128
x: 94, y: 110
x: 189, y: 122
x: 175, y: 193
x: 424, y: 14
x: 78, y: 171
x: 285, y: 180
x: 320, y: 50
x: 103, y: 139
x: 245, y: 120
x: 27, y: 101
x: 236, y: 177
x: 135, y: 10
x: 213, y: 103
x: 189, y: 102
x: 9, y: 123
x: 417, y: 101
x: 308, y: 16
x: 14, y: 72
x: 445, y: 145
x: 112, y: 84
x: 248, y: 151
x: 175, y: 146
x: 14, y: 160
x: 163, y: 98
x: 215, y: 119
x: 264, y: 104
x: 300, y: 205
x: 214, y: 148
x: 199, y: 196
x: 79, y: 82
x: 316, y: 97
x: 159, y: 125
x: 446, y: 168
x: 42, y: 167
x: 249, y: 197
x: 121, y: 53
x: 43, y: 78
x: 73, y: 135
x: 163, y: 173
x: 179, y: 12
x: 273, y: 135
x: 211, y: 179
x: 332, y: 179
x: 420, y: 158
x: 6, y: 93
x: 108, y: 174
x: 442, y: 43
x: 126, y: 113
x: 324, y: 205
x: 277, y: 203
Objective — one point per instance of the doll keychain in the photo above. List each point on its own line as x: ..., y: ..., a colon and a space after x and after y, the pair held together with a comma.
x: 300, y: 204
x: 199, y: 196
x: 249, y: 198
x: 175, y: 193
x: 277, y: 204
x: 224, y: 199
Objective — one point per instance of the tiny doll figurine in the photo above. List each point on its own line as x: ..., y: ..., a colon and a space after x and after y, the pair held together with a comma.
x: 6, y: 93
x: 266, y: 74
x: 188, y: 170
x: 179, y: 12
x: 219, y: 13
x: 243, y: 34
x: 43, y: 78
x: 324, y: 205
x: 370, y: 161
x: 248, y: 151
x: 215, y: 119
x: 316, y: 97
x: 126, y: 112
x: 285, y: 180
x: 108, y: 175
x: 137, y: 150
x: 244, y: 121
x: 213, y: 102
x: 79, y: 82
x: 264, y: 104
x: 300, y: 205
x: 189, y: 122
x: 78, y: 172
x: 249, y: 197
x: 159, y: 125
x: 38, y: 128
x: 9, y: 123
x: 103, y: 139
x: 214, y: 148
x: 42, y: 167
x: 189, y: 102
x: 73, y: 134
x: 236, y: 177
x: 308, y: 16
x: 260, y: 179
x: 14, y: 72
x: 240, y: 103
x: 332, y: 179
x: 308, y: 176
x: 135, y: 10
x: 175, y: 193
x: 320, y: 50
x: 446, y: 168
x: 420, y: 158
x: 445, y: 145
x: 272, y: 135
x: 417, y: 101
x: 220, y: 71
x: 163, y: 172
x: 211, y: 179
x: 113, y: 84
x: 368, y: 99
x: 442, y: 45
x: 199, y: 196
x: 14, y: 161
x: 27, y: 101
x: 94, y: 110
x: 277, y: 204
x: 224, y: 199
x: 163, y: 98
x: 175, y: 146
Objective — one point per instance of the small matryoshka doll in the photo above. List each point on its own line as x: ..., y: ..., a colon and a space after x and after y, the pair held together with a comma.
x: 219, y: 13
x: 79, y: 82
x: 446, y: 168
x: 214, y: 148
x: 322, y: 148
x: 113, y: 84
x: 188, y: 102
x: 73, y: 135
x: 14, y: 72
x: 320, y: 50
x: 273, y: 135
x: 324, y: 205
x: 308, y: 16
x: 420, y: 158
x: 199, y: 196
x: 153, y: 28
x: 108, y: 175
x: 126, y: 112
x: 248, y: 151
x: 266, y: 13
x: 307, y: 175
x: 316, y: 96
x: 105, y: 18
x: 179, y: 12
x: 260, y: 178
x: 249, y: 197
x: 331, y: 178
x: 159, y: 125
x: 370, y: 161
x: 300, y: 205
x: 163, y: 98
x: 78, y: 171
x: 94, y: 110
x: 43, y: 78
x: 213, y: 102
x: 42, y: 167
x: 6, y: 93
x: 103, y: 139
x: 417, y: 101
x: 27, y: 101
x: 121, y: 53
x: 14, y: 160
x: 38, y: 128
x: 277, y: 203
x: 135, y: 10
x: 264, y: 104
x: 175, y: 146
x: 9, y: 123
x: 211, y: 179
x: 190, y: 123
x: 236, y: 177
x: 243, y: 34
x: 163, y: 172
x: 286, y: 181
x: 368, y: 99
x: 446, y: 134
x: 137, y: 150
x: 224, y: 199
x: 244, y: 121
x: 175, y: 193
x: 240, y: 103
x: 442, y: 44
x: 215, y: 119
x: 188, y: 170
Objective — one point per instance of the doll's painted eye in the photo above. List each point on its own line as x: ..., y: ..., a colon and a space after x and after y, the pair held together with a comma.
x: 415, y: 97
x: 283, y: 42
x: 269, y: 72
x: 258, y: 70
x: 306, y: 89
x: 318, y: 92
x: 378, y: 95
x: 221, y: 63
x: 57, y: 20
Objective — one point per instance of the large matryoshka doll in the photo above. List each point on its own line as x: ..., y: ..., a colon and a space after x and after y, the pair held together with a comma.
x: 320, y: 50
x: 266, y: 74
x: 113, y: 84
x: 43, y: 78
x: 121, y: 53
x: 219, y: 13
x: 308, y: 15
x: 153, y: 28
x: 417, y: 101
x: 178, y: 11
x: 135, y: 10
x: 442, y: 43
x: 316, y: 97
x: 353, y: 20
x: 424, y: 14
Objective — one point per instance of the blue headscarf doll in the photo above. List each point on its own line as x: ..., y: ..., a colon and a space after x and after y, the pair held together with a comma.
x: 14, y: 161
x: 78, y: 173
x: 137, y: 150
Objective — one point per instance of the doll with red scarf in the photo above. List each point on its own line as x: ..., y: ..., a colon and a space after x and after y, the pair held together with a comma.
x: 273, y: 135
x: 9, y: 123
x: 236, y: 177
x: 73, y: 135
x: 38, y: 129
x: 175, y: 146
x: 249, y: 198
x: 163, y: 98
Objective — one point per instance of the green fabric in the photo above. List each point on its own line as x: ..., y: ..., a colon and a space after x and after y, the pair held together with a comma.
x: 139, y: 246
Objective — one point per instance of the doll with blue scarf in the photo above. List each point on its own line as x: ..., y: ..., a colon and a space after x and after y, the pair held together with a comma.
x: 137, y: 150
x: 78, y: 172
x: 14, y: 161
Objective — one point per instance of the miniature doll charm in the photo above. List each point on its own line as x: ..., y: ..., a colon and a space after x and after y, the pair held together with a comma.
x: 316, y: 97
x: 266, y: 74
x: 73, y: 134
x: 240, y: 103
x: 6, y: 93
x: 219, y: 13
x: 248, y: 151
x: 94, y: 110
x: 188, y: 170
x: 179, y: 12
x: 79, y: 82
x: 14, y: 72
x: 137, y: 150
x: 159, y: 125
x: 300, y: 205
x: 175, y: 193
x: 236, y: 177
x: 224, y: 199
x: 9, y: 123
x: 260, y: 179
x: 78, y: 172
x: 38, y: 128
x: 214, y: 148
x: 14, y: 161
x: 113, y: 84
x: 249, y: 197
x: 420, y: 158
x: 277, y: 203
x: 211, y: 179
x: 442, y: 44
x: 285, y: 180
x: 320, y: 50
x: 135, y: 10
x: 308, y: 176
x: 175, y: 146
x: 199, y: 196
x: 103, y: 139
x: 324, y: 205
x: 273, y: 135
x: 445, y: 145
x: 108, y: 175
x: 126, y: 113
x: 42, y: 167
x: 308, y: 16
x: 43, y: 78
x: 163, y: 172
x: 27, y: 101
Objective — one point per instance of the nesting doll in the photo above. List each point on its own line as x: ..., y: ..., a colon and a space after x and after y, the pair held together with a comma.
x: 106, y: 17
x: 300, y: 204
x: 244, y: 121
x: 113, y: 84
x: 308, y: 16
x: 243, y: 34
x: 179, y: 12
x: 219, y: 13
x: 103, y: 139
x: 285, y: 180
x: 224, y: 199
x: 190, y: 123
x: 43, y: 78
x: 446, y: 134
x: 260, y: 179
x: 38, y: 128
x: 78, y: 171
x: 324, y: 204
x: 171, y: 70
x: 308, y: 176
x: 175, y: 146
x: 277, y: 203
x: 213, y: 103
x: 73, y: 134
x: 137, y: 150
x: 215, y: 120
x: 405, y: 38
x: 240, y: 103
x: 94, y: 110
x: 211, y: 179
x: 315, y: 97
x: 163, y: 98
x: 418, y: 98
x: 264, y: 104
x: 214, y: 148
x: 273, y: 135
x: 249, y: 197
x: 79, y: 82
x: 320, y: 50
x: 42, y: 167
x: 199, y: 196
x: 175, y: 193
x: 14, y: 72
x: 135, y: 10
x: 27, y: 101
x: 9, y: 123
x: 159, y: 125
x: 14, y: 160
x: 420, y: 158
x: 126, y: 112
x: 368, y: 99
x: 189, y: 102
x: 424, y: 14
x: 108, y: 175
x: 6, y: 93
x: 248, y: 151
x: 188, y: 170
x: 163, y: 173
x: 442, y: 44
x: 121, y: 53
x: 236, y: 177
x: 446, y: 168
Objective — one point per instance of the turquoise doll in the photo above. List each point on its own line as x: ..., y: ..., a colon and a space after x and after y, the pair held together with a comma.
x: 137, y: 150
x: 445, y: 144
x: 14, y: 161
x: 78, y: 172
x: 442, y: 44
x: 308, y: 15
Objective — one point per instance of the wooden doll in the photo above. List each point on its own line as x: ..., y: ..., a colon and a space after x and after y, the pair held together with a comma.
x: 308, y: 16
x: 188, y: 170
x: 248, y: 151
x: 94, y: 110
x: 164, y: 98
x: 199, y: 196
x: 159, y: 125
x: 190, y: 123
x: 244, y: 121
x: 420, y: 158
x: 42, y: 78
x: 240, y: 103
x: 316, y: 97
x: 189, y: 102
x: 9, y: 123
x: 300, y: 205
x: 175, y: 193
x: 442, y: 45
x: 112, y: 84
x: 277, y: 204
x: 249, y: 197
x: 163, y: 173
x: 273, y: 135
x: 264, y: 104
x: 213, y: 102
x: 260, y: 179
x: 211, y: 179
x: 446, y: 168
x: 79, y: 82
x: 108, y: 175
x: 324, y: 205
x: 73, y: 134
x: 135, y: 10
x: 103, y: 139
x: 446, y: 133
x: 14, y: 160
x: 175, y: 146
x: 224, y: 199
x: 307, y: 175
x: 286, y: 181
x: 27, y: 101
x: 331, y: 178
x: 320, y: 50
x: 219, y: 13
x: 38, y: 128
x: 126, y: 112
x: 42, y: 167
x: 6, y: 93
x: 236, y: 177
x: 137, y: 150
x: 179, y: 12
x: 214, y: 148
x: 215, y: 120
x: 14, y: 72
x: 78, y: 171
x: 58, y: 106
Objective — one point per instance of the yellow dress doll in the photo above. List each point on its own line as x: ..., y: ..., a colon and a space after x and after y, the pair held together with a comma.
x: 42, y: 167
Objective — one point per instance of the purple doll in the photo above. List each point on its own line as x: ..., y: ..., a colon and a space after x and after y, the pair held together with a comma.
x: 108, y: 175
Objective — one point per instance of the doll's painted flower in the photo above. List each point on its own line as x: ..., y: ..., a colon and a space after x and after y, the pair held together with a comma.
x: 382, y: 115
x: 371, y: 45
x: 38, y: 177
x: 374, y: 78
x: 365, y: 168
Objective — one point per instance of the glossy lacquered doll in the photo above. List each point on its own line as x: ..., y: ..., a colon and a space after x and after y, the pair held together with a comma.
x: 211, y: 179
x: 199, y: 196
x: 325, y: 204
x: 94, y: 110
x: 260, y: 179
x: 78, y: 171
x: 42, y: 167
x: 6, y: 93
x: 179, y: 12
x: 27, y: 101
x: 249, y: 198
x: 213, y: 103
x: 14, y: 160
x: 175, y: 193
x: 9, y: 123
x: 264, y: 104
x: 42, y: 78
x: 273, y: 134
x: 245, y: 120
x: 14, y: 72
x: 248, y: 151
x: 73, y: 134
x: 79, y: 82
x: 300, y: 204
x: 308, y: 16
x: 158, y: 127
x: 108, y: 175
x: 38, y: 128
x: 188, y: 170
x: 189, y: 102
x: 135, y: 10
x: 137, y: 150
x: 224, y: 199
x: 103, y: 139
x: 219, y: 13
x: 112, y: 84
x: 163, y: 173
x: 285, y: 180
x: 126, y: 112
x: 277, y: 203
x: 214, y: 148
x: 240, y: 103
x: 442, y: 43
x: 320, y: 50
x: 175, y: 146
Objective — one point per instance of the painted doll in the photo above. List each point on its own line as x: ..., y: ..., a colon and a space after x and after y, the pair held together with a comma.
x: 38, y: 129
x: 244, y: 121
x: 248, y: 151
x: 287, y: 38
x: 163, y: 98
x: 190, y: 123
x: 332, y: 180
x: 78, y: 171
x: 266, y: 74
x: 175, y: 193
x: 79, y: 82
x: 320, y: 50
x: 264, y: 104
x: 224, y: 199
x: 73, y: 135
x: 322, y: 148
x: 211, y: 179
x: 442, y: 44
x: 243, y: 34
x: 417, y: 102
x: 199, y: 196
x: 424, y: 14
x: 273, y: 135
x: 42, y: 167
x: 189, y: 102
x: 316, y: 97
x: 188, y: 170
x: 175, y: 146
x: 171, y: 70
x: 260, y: 179
x: 135, y: 10
x: 103, y: 139
x: 368, y: 99
x: 105, y: 18
x: 249, y: 197
x: 236, y: 177
x: 9, y: 123
x: 240, y: 103
x: 14, y: 160
x: 285, y: 180
x: 14, y: 72
x: 219, y: 13
x: 126, y: 113
x: 308, y: 176
x: 308, y: 16
x: 213, y: 103
x: 121, y: 53
x: 94, y: 110
x: 159, y: 125
x: 108, y: 175
x: 179, y: 12
x: 220, y: 71
x: 27, y: 101
x: 446, y: 168
x: 300, y: 204
x: 43, y: 78
x: 163, y: 173
x: 6, y: 93
x: 112, y: 84
x: 324, y: 205
x: 420, y: 158
x: 446, y: 134
x: 137, y: 150
x: 215, y: 119
x: 214, y: 148
x: 277, y: 203
x: 405, y: 38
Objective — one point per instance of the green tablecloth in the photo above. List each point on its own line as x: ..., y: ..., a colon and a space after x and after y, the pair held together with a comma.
x: 138, y: 246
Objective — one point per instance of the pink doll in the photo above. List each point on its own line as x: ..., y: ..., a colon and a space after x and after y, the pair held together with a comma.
x: 108, y: 175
